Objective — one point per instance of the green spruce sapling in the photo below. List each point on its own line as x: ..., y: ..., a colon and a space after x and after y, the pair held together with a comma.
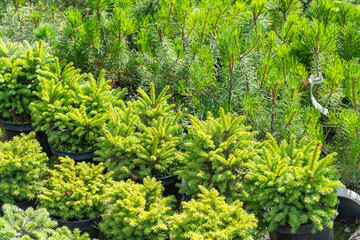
x: 17, y: 224
x: 137, y: 211
x: 23, y: 166
x: 215, y: 155
x: 75, y: 191
x: 19, y: 66
x: 290, y: 185
x: 75, y: 104
x: 143, y: 137
x: 211, y: 218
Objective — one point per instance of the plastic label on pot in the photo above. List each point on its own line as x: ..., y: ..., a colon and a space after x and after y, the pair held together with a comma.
x: 313, y: 80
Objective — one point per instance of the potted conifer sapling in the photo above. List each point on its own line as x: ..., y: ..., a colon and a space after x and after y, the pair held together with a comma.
x: 23, y: 166
x: 71, y: 109
x: 294, y: 190
x: 210, y: 217
x: 143, y: 138
x: 74, y: 194
x: 215, y: 155
x: 19, y: 66
x: 137, y: 211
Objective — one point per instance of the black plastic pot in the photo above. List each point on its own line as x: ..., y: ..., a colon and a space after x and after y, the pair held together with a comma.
x: 349, y: 206
x: 76, y: 156
x: 303, y: 233
x: 169, y: 184
x: 23, y: 205
x: 85, y: 226
x: 329, y: 132
x: 10, y: 130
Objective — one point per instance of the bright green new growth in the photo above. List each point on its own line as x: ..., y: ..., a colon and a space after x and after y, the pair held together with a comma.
x: 17, y: 224
x: 210, y: 217
x: 215, y: 155
x: 22, y: 167
x: 142, y: 138
x: 137, y: 211
x: 74, y: 103
x: 64, y: 233
x: 19, y: 66
x: 75, y: 191
x: 294, y: 185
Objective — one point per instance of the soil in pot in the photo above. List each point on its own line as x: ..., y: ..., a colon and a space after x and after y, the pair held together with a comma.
x: 85, y: 226
x: 76, y: 156
x: 303, y: 233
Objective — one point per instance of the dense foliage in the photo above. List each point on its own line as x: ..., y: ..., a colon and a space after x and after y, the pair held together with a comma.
x: 75, y: 104
x: 137, y: 211
x: 215, y: 155
x: 291, y: 185
x: 75, y: 191
x: 210, y: 217
x: 17, y: 224
x: 143, y: 137
x: 19, y: 66
x: 23, y: 166
x: 25, y: 225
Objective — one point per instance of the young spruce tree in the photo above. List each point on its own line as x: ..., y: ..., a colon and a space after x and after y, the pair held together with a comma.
x: 215, y: 155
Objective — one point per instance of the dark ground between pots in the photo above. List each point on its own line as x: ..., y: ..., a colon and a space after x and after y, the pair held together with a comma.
x: 343, y: 231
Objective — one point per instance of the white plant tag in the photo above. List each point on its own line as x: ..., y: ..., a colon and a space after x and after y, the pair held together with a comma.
x: 313, y: 81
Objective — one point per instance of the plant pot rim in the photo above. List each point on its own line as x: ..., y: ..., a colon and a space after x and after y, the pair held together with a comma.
x: 77, y: 221
x: 26, y: 126
x: 304, y: 228
x: 74, y: 155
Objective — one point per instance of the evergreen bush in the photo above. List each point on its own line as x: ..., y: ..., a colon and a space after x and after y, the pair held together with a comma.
x: 75, y: 191
x: 291, y: 185
x: 215, y: 155
x: 25, y: 225
x: 19, y: 66
x: 210, y: 217
x: 75, y: 104
x: 33, y: 225
x: 23, y: 166
x: 143, y: 138
x: 137, y: 211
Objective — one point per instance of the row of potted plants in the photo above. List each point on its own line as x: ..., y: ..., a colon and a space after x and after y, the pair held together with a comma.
x: 289, y: 180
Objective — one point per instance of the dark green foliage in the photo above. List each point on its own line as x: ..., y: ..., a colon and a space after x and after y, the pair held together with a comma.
x: 210, y: 217
x: 143, y: 137
x: 19, y: 66
x: 74, y: 103
x: 25, y: 225
x: 137, y: 211
x: 75, y: 191
x: 347, y: 123
x: 291, y: 185
x: 215, y: 155
x: 22, y: 168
